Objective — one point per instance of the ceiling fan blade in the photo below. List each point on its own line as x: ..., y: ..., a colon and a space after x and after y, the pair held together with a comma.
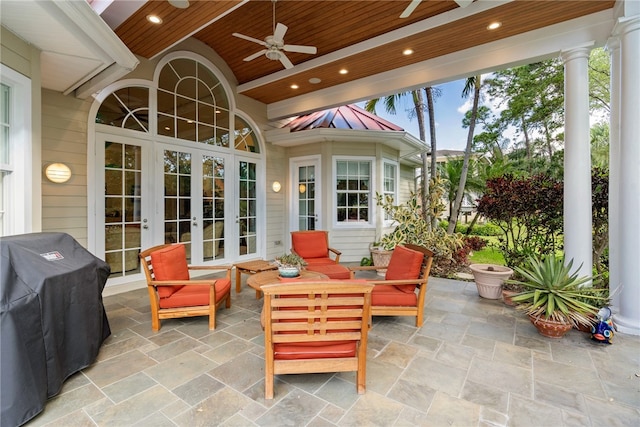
x: 463, y: 3
x: 280, y: 31
x: 409, y: 10
x: 255, y: 55
x: 312, y: 50
x: 285, y: 61
x: 251, y: 39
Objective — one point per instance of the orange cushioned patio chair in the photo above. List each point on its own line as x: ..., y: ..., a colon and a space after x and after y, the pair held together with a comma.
x: 313, y: 247
x: 316, y: 327
x: 173, y: 294
x: 403, y: 291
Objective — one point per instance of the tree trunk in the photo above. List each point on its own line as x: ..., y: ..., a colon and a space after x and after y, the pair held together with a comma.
x: 527, y: 143
x: 453, y: 216
x: 547, y: 136
x: 432, y: 138
x: 418, y: 101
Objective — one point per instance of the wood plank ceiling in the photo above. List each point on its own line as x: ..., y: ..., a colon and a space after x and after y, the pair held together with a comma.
x: 334, y: 27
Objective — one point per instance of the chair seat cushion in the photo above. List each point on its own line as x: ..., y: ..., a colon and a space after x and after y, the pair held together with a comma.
x: 314, y: 350
x: 384, y: 295
x: 196, y: 295
x: 405, y: 264
x: 320, y: 261
x: 170, y: 263
x: 333, y: 271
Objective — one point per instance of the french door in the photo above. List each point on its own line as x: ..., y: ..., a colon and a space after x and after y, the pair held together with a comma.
x: 196, y: 209
x: 191, y: 201
x: 124, y: 213
x: 158, y: 193
x: 305, y: 193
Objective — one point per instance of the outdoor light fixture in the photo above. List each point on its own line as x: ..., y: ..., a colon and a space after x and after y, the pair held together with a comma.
x: 58, y: 173
x: 276, y: 186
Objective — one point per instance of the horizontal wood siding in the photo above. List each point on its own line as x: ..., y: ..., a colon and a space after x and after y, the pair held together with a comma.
x: 64, y: 139
x: 277, y: 213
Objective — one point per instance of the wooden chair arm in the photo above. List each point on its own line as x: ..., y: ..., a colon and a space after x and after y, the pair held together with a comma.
x: 335, y: 251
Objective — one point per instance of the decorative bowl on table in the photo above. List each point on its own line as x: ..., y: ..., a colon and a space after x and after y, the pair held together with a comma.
x: 289, y: 271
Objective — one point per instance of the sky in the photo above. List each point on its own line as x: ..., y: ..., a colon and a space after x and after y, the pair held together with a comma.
x: 449, y: 108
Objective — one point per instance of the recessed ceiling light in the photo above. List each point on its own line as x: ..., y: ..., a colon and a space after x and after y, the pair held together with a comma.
x: 407, y: 51
x: 343, y: 71
x: 314, y: 80
x: 167, y: 128
x: 154, y: 19
x: 294, y: 86
x: 218, y: 112
x: 494, y: 25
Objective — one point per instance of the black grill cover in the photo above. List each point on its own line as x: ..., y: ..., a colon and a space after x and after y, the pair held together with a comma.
x: 52, y: 318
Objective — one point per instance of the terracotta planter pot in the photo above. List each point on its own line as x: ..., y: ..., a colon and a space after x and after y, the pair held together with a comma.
x: 489, y: 279
x: 550, y: 328
x: 381, y: 258
x: 506, y: 297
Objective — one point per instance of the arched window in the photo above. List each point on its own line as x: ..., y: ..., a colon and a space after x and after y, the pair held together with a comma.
x: 192, y: 104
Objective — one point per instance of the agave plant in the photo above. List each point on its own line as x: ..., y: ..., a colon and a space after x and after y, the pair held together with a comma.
x: 552, y: 291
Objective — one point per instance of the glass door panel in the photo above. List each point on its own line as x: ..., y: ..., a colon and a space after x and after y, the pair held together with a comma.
x: 177, y: 198
x: 305, y: 193
x: 123, y: 220
x: 213, y: 215
x: 246, y: 216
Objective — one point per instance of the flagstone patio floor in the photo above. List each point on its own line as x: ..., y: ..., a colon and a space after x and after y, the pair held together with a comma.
x: 475, y: 362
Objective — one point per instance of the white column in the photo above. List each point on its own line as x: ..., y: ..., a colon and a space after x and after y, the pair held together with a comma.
x: 613, y: 46
x: 577, y: 161
x: 628, y: 317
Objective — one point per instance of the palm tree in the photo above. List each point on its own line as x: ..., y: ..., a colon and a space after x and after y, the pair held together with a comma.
x: 419, y: 108
x: 472, y: 84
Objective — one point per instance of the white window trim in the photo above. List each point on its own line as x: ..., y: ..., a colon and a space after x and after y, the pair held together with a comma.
x: 372, y: 192
x: 18, y: 203
x: 388, y: 222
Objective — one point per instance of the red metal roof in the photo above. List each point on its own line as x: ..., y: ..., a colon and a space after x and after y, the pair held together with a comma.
x: 344, y: 117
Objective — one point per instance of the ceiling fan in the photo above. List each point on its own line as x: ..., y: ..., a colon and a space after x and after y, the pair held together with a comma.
x: 274, y: 44
x: 414, y: 3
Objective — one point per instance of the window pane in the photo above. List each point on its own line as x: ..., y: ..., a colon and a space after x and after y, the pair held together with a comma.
x: 352, y: 190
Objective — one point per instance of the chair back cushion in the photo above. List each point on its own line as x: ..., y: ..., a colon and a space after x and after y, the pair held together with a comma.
x: 170, y: 263
x: 405, y: 264
x: 310, y: 244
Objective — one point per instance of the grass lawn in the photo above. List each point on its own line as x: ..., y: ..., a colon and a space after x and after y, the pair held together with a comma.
x: 487, y: 255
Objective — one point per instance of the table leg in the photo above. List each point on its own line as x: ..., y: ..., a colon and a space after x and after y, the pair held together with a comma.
x: 238, y: 280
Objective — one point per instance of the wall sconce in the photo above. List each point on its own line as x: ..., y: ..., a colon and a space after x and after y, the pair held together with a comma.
x: 276, y: 186
x: 58, y: 173
x: 302, y: 188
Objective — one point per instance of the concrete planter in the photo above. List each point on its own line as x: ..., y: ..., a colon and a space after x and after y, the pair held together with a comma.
x: 489, y: 279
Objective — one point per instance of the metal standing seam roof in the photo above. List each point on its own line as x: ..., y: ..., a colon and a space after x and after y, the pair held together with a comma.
x: 345, y: 117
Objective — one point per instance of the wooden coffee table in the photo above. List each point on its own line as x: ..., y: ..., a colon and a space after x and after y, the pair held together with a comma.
x: 251, y: 268
x: 258, y: 280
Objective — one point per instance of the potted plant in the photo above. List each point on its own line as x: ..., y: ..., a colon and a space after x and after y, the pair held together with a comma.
x: 489, y: 279
x: 411, y: 227
x: 555, y: 299
x: 289, y: 265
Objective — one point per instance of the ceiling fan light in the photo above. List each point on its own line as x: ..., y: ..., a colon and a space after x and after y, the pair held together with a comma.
x: 273, y: 54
